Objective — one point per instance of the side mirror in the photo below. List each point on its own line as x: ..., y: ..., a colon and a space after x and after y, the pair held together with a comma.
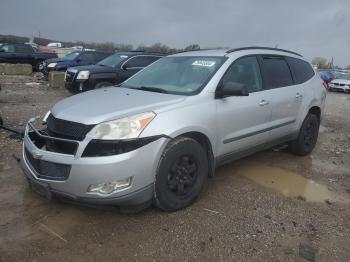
x: 124, y: 67
x: 232, y: 89
x: 78, y: 60
x: 2, y: 50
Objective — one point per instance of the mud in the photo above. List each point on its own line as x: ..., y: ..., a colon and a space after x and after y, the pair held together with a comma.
x: 289, y: 183
x: 240, y: 216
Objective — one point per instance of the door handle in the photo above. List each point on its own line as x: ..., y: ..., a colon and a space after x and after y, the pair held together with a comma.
x: 298, y: 95
x: 263, y: 103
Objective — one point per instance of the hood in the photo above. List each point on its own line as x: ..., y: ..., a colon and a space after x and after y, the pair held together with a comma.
x: 341, y: 81
x: 95, y: 69
x: 110, y: 103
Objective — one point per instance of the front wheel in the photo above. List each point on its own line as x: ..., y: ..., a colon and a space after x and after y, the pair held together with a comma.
x: 307, y: 138
x: 181, y: 175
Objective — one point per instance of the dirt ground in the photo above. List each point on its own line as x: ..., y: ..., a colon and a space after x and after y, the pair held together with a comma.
x: 271, y: 206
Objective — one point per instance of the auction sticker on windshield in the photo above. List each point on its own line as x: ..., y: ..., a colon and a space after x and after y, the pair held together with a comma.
x: 205, y: 63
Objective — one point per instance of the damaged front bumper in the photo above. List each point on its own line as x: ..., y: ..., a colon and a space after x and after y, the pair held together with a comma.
x: 69, y: 174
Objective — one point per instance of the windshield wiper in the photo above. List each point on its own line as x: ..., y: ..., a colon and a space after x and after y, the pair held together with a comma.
x: 151, y: 89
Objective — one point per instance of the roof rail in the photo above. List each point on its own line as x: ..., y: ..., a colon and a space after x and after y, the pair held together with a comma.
x: 262, y: 47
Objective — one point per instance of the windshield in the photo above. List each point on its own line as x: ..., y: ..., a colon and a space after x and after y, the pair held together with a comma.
x: 177, y: 75
x: 71, y: 56
x: 343, y: 76
x: 112, y: 60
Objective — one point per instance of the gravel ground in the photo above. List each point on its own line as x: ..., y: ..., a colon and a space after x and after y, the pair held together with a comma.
x: 235, y: 219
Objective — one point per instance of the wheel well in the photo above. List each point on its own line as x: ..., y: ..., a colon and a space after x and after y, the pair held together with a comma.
x: 205, y: 142
x: 315, y: 110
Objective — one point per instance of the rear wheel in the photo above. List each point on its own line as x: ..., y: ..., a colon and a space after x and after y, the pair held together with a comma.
x: 181, y: 175
x: 102, y: 84
x: 307, y: 138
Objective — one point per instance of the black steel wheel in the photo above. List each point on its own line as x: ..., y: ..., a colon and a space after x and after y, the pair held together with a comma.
x: 182, y: 172
x: 307, y: 138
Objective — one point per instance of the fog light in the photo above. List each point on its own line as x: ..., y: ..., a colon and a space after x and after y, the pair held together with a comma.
x: 109, y: 187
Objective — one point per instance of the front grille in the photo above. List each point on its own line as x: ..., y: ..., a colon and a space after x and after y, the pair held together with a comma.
x: 48, y: 170
x: 337, y: 84
x: 67, y: 129
x: 69, y: 77
x: 51, y: 144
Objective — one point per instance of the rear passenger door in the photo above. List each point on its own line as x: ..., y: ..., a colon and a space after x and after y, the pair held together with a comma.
x: 243, y: 121
x: 135, y: 64
x: 285, y: 96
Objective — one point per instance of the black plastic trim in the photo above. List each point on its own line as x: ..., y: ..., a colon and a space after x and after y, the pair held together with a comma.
x: 229, y: 140
x: 99, y: 148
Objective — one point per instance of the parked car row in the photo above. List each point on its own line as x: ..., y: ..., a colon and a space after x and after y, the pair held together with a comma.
x: 112, y: 70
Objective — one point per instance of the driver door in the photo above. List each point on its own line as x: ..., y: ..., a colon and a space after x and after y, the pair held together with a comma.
x: 242, y: 121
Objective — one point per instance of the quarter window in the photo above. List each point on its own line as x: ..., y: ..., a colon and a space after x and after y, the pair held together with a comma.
x: 276, y: 72
x: 245, y: 71
x: 302, y: 71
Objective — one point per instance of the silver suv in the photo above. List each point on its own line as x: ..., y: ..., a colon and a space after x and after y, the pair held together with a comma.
x: 158, y: 136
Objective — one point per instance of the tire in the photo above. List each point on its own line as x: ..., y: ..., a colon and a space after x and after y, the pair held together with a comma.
x: 39, y: 66
x: 307, y: 137
x: 102, y: 84
x: 181, y: 175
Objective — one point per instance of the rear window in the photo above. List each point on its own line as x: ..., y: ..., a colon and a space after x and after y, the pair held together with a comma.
x: 276, y: 72
x: 302, y: 70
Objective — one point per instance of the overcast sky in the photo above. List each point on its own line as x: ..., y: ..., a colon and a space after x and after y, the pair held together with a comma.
x: 313, y: 27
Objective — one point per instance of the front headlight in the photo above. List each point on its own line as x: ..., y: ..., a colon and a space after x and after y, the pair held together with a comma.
x: 51, y: 65
x: 124, y: 128
x: 83, y: 75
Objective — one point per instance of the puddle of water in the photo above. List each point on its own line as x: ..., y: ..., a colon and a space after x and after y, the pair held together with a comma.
x: 289, y: 183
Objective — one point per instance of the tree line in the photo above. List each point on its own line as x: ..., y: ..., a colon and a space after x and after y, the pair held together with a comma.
x: 107, y: 46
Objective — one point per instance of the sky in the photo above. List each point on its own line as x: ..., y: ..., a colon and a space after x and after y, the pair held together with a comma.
x: 312, y: 28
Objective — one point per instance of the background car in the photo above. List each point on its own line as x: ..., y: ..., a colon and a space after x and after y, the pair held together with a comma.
x: 78, y: 58
x: 342, y: 83
x: 111, y: 70
x: 24, y: 54
x: 327, y: 76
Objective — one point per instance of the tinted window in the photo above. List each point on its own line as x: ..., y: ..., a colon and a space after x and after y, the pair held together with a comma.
x: 302, y: 70
x: 23, y: 49
x: 8, y: 48
x: 276, y: 72
x: 140, y: 61
x: 100, y: 56
x: 87, y: 57
x: 245, y: 71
